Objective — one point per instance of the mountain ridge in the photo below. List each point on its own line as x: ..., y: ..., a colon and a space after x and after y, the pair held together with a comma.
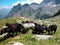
x: 41, y: 11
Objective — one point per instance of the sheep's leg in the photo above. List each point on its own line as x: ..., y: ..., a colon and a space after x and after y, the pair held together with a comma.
x: 48, y: 31
x: 54, y: 30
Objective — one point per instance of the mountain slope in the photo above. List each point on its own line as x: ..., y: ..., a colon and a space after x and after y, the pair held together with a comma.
x: 58, y: 13
x: 40, y: 11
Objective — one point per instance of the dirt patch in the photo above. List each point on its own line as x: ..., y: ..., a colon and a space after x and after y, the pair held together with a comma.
x: 16, y: 37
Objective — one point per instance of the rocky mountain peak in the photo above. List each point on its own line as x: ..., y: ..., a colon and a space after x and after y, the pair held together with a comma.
x: 44, y: 10
x: 25, y: 5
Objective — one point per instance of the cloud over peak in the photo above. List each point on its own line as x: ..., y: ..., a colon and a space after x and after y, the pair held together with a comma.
x: 22, y: 2
x: 27, y: 1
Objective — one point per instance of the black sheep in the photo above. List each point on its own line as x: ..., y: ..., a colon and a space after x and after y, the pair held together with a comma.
x: 11, y: 29
x: 38, y: 29
x: 52, y: 29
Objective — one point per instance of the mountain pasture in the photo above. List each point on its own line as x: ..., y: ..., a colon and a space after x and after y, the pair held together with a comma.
x: 27, y: 39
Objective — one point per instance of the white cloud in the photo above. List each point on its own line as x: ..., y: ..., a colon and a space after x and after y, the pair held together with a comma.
x: 16, y: 3
x: 27, y: 1
x: 37, y: 1
x: 21, y: 2
x: 5, y: 7
x: 31, y: 1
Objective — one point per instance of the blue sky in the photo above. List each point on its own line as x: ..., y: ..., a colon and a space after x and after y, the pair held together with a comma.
x: 10, y: 3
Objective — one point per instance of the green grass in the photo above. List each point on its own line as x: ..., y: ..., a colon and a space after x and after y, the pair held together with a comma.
x: 26, y: 38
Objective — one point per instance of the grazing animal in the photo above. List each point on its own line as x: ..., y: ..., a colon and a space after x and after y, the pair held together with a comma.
x: 26, y: 26
x: 11, y: 29
x: 38, y: 29
x: 44, y: 28
x: 52, y: 29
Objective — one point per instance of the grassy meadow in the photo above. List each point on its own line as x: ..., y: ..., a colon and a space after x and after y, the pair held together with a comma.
x: 26, y: 38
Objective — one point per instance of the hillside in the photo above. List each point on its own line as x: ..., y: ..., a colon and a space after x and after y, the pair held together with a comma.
x: 11, y: 20
x: 26, y: 38
x: 58, y: 13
